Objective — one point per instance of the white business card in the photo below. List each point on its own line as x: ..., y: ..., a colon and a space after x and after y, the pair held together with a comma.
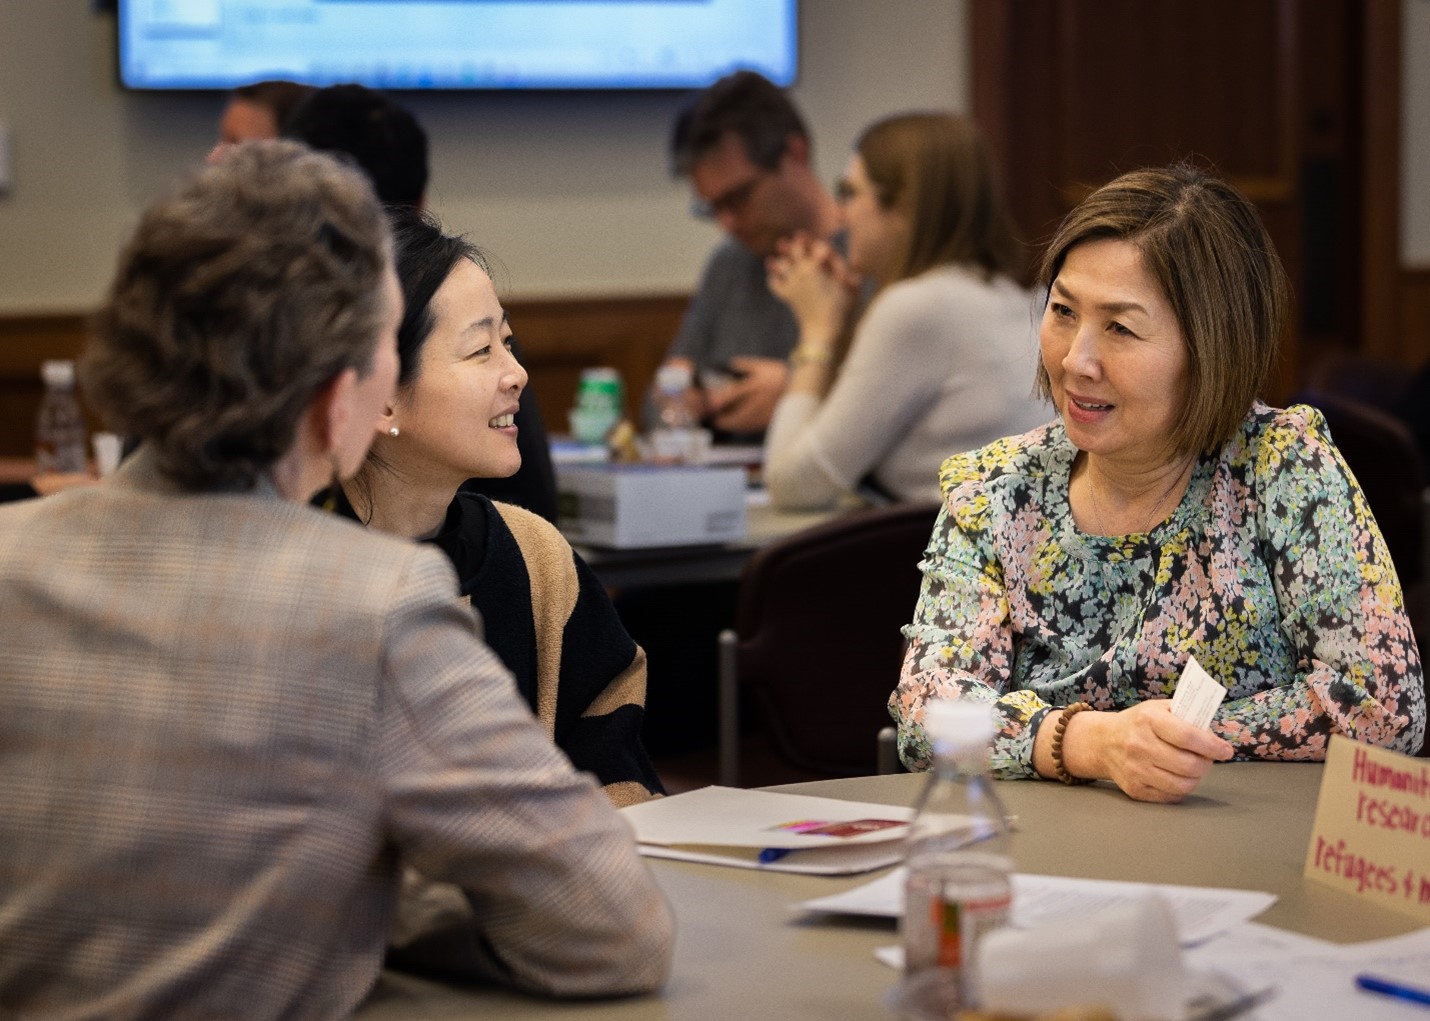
x: 1197, y: 697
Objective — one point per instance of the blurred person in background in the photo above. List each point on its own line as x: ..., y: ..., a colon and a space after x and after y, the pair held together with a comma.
x: 746, y: 152
x: 384, y: 138
x: 258, y: 111
x: 943, y: 357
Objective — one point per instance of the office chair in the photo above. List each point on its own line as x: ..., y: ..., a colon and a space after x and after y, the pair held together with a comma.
x: 1360, y: 377
x: 816, y: 642
x: 1385, y: 459
x: 1383, y: 456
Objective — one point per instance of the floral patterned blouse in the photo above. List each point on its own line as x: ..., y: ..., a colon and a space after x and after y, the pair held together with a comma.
x: 1271, y: 571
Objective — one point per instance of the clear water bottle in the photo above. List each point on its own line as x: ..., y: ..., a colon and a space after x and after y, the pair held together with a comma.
x: 677, y: 436
x: 958, y: 852
x: 60, y: 435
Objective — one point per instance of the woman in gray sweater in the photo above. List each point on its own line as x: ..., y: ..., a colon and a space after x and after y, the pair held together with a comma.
x: 943, y: 357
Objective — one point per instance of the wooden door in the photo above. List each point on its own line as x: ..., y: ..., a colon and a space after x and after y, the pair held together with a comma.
x: 1270, y: 92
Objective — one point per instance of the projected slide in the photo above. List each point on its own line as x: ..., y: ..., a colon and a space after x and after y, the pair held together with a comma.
x: 454, y: 44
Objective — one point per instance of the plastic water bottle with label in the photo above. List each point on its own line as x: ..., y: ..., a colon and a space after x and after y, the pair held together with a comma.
x: 677, y: 436
x: 599, y: 400
x: 958, y: 853
x: 60, y: 434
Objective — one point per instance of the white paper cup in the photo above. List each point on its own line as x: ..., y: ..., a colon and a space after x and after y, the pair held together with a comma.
x: 1125, y: 958
x: 106, y: 452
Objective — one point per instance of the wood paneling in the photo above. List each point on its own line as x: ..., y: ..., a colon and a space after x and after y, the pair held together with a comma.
x: 1074, y: 92
x: 1382, y: 328
x: 1295, y: 102
x: 558, y: 337
x: 1127, y: 69
x: 1414, y: 319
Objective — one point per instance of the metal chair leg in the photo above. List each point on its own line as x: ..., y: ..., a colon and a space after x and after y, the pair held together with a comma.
x: 888, y: 760
x: 728, y: 713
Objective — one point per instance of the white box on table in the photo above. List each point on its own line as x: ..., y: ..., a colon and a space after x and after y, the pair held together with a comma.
x: 629, y: 506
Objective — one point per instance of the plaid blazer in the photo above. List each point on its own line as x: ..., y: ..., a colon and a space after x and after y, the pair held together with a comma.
x: 225, y: 721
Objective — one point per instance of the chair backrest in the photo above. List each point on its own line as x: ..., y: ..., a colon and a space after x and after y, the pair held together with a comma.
x: 817, y: 626
x: 1383, y: 456
x: 1351, y: 374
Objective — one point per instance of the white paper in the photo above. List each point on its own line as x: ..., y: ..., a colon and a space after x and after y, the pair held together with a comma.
x: 1254, y: 941
x: 1197, y: 697
x: 1315, y: 978
x: 878, y: 898
x: 730, y: 826
x: 1200, y: 912
x: 732, y: 817
x: 846, y: 860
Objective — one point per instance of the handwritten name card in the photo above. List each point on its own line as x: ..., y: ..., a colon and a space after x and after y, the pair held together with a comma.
x: 1372, y: 830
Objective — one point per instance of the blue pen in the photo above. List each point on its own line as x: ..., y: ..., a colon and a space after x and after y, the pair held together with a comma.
x: 1399, y: 990
x: 770, y: 855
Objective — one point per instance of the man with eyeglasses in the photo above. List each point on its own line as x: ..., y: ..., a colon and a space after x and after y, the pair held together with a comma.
x: 746, y: 152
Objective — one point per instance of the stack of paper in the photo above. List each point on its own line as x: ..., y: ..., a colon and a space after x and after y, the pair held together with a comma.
x: 769, y: 830
x: 1317, y: 978
x: 1200, y: 912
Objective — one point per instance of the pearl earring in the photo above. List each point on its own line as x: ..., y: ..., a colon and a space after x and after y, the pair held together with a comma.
x: 393, y: 431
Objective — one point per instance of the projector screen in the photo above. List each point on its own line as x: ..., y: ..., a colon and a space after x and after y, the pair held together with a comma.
x: 454, y: 44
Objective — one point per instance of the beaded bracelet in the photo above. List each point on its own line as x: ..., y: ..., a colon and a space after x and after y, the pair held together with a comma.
x: 1060, y: 769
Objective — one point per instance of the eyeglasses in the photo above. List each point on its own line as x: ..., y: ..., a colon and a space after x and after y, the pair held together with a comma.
x: 732, y: 202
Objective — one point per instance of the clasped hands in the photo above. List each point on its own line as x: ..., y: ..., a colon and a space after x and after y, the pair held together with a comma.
x: 815, y: 281
x: 1149, y: 753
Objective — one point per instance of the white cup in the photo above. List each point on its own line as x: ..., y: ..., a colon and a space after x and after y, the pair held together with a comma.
x: 1124, y: 958
x: 106, y: 452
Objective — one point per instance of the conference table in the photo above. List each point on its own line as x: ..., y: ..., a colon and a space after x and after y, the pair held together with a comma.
x: 742, y: 952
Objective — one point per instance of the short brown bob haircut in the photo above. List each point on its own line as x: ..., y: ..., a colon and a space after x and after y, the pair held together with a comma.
x: 937, y: 168
x: 1205, y: 245
x: 237, y: 299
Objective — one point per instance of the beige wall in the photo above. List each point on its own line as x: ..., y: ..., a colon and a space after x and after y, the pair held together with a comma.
x: 1415, y: 135
x: 569, y: 192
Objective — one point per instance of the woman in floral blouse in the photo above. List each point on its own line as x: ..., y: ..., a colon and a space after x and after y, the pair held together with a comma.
x: 1166, y: 514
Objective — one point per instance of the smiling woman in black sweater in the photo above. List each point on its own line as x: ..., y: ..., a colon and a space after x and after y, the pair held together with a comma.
x: 543, y: 611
